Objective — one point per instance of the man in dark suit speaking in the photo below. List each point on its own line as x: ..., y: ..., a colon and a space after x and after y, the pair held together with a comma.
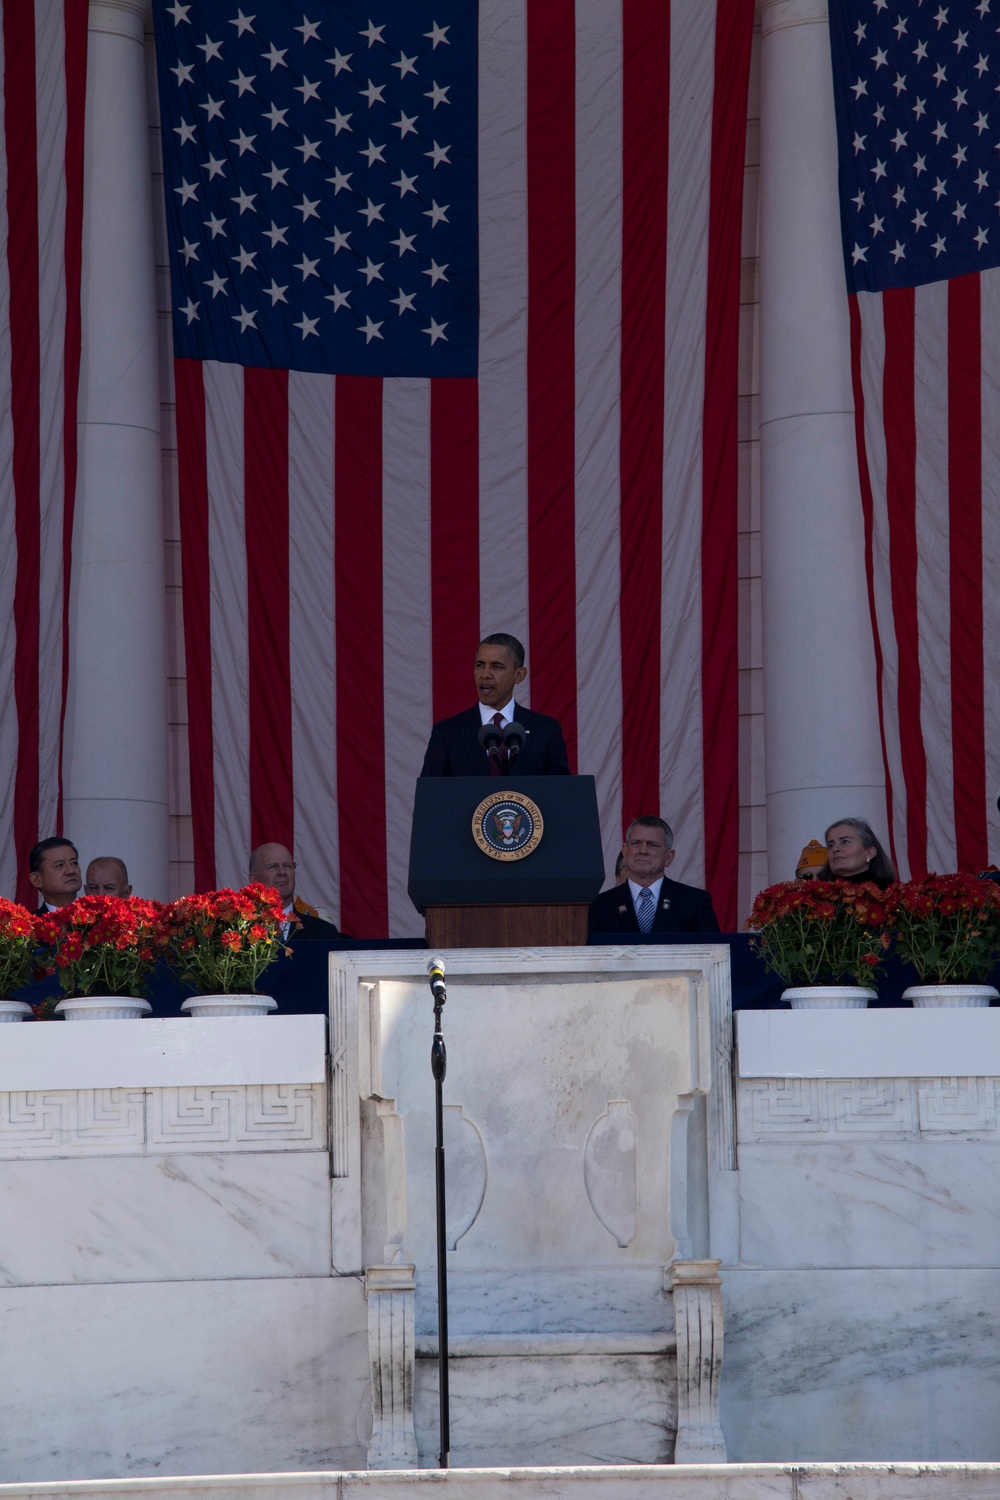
x: 455, y: 747
x: 648, y: 901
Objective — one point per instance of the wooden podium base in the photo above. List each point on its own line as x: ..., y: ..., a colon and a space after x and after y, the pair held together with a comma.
x: 558, y: 926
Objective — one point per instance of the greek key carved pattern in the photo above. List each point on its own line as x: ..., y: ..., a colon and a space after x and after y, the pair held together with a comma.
x: 261, y: 1115
x: 71, y: 1122
x: 787, y: 1104
x: 866, y: 1106
x: 957, y: 1104
x: 126, y: 1122
x: 781, y: 1109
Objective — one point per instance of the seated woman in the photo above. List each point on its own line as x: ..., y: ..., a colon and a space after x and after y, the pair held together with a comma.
x: 854, y: 853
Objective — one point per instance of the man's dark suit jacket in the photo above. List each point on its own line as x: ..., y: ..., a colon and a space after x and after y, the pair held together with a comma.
x: 680, y: 908
x: 454, y: 748
x: 311, y: 927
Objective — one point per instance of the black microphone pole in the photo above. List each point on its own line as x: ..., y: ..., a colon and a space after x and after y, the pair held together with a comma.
x: 439, y: 1066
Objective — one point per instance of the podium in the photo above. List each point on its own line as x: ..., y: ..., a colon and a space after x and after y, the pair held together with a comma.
x: 505, y: 861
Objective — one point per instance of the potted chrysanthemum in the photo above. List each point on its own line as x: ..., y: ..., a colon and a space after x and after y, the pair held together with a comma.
x: 17, y: 947
x: 220, y: 942
x: 103, y: 949
x: 948, y: 928
x: 825, y: 939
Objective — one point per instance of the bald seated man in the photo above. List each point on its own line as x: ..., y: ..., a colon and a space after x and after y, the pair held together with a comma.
x: 107, y: 876
x: 272, y: 864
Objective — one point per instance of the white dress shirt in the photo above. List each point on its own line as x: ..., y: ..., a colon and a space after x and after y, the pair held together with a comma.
x: 486, y: 713
x: 655, y: 888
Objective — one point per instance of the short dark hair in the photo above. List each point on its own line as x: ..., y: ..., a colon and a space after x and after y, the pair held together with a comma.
x: 40, y: 850
x: 510, y: 642
x: 646, y: 820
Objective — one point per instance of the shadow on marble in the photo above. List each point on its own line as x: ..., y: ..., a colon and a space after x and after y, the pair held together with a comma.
x: 183, y: 1378
x: 861, y: 1365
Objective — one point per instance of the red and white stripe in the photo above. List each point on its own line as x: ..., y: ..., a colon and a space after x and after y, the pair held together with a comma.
x: 927, y: 391
x: 43, y: 66
x: 347, y: 541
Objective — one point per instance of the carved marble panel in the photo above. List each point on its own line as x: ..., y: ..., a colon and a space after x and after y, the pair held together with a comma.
x: 785, y: 1104
x: 609, y: 1170
x: 125, y: 1122
x: 254, y: 1117
x: 885, y: 1109
x: 69, y: 1122
x: 465, y: 1158
x: 957, y: 1105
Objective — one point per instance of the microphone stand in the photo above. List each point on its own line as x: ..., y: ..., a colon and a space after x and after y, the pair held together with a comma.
x: 439, y: 1067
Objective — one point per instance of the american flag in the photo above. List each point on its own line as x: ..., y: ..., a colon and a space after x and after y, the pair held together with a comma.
x: 455, y: 310
x: 43, y: 66
x: 323, y: 208
x: 918, y: 131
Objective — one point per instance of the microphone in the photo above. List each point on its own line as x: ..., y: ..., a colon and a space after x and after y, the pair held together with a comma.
x: 490, y: 738
x: 514, y: 736
x: 435, y: 973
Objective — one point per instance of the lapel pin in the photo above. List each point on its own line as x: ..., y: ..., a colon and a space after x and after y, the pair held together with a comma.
x: 623, y: 910
x: 665, y: 904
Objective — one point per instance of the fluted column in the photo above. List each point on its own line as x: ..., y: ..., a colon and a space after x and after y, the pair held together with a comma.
x: 822, y: 746
x: 116, y: 727
x: 390, y: 1291
x: 697, y: 1294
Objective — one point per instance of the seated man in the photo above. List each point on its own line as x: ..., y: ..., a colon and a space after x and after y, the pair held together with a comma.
x: 107, y: 876
x: 272, y: 864
x: 54, y: 871
x: 454, y: 748
x: 650, y: 902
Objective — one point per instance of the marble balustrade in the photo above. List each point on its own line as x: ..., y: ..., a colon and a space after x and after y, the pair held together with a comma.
x: 217, y: 1236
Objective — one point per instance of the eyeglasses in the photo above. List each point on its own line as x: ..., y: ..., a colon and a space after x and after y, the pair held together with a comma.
x: 812, y: 874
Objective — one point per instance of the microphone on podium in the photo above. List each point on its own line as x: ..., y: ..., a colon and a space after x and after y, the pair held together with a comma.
x: 491, y: 739
x: 514, y: 736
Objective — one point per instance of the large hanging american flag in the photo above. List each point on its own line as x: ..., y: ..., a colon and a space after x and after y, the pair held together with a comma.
x: 43, y: 63
x: 455, y: 310
x: 919, y: 131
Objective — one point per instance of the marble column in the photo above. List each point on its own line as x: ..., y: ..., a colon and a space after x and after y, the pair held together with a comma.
x: 116, y: 724
x: 822, y: 749
x: 697, y: 1296
x: 391, y: 1291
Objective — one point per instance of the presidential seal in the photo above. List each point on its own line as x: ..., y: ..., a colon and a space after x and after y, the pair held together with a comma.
x: 507, y: 825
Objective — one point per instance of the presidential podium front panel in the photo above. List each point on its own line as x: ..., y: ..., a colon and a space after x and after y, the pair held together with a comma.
x: 504, y: 862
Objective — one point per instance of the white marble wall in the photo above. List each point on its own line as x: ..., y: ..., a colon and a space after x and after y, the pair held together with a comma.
x: 878, y: 1364
x: 188, y: 1377
x: 553, y: 1409
x: 862, y: 1294
x: 168, y: 1302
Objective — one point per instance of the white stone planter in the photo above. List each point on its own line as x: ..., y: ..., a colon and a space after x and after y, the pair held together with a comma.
x: 229, y: 1005
x: 103, y: 1008
x: 14, y: 1010
x: 828, y: 997
x: 950, y: 994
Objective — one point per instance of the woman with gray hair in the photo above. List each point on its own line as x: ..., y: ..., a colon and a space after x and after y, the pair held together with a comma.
x: 854, y: 853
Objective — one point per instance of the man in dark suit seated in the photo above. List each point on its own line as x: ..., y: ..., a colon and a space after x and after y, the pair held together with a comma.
x: 455, y: 749
x: 272, y: 864
x: 54, y: 871
x: 649, y: 901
